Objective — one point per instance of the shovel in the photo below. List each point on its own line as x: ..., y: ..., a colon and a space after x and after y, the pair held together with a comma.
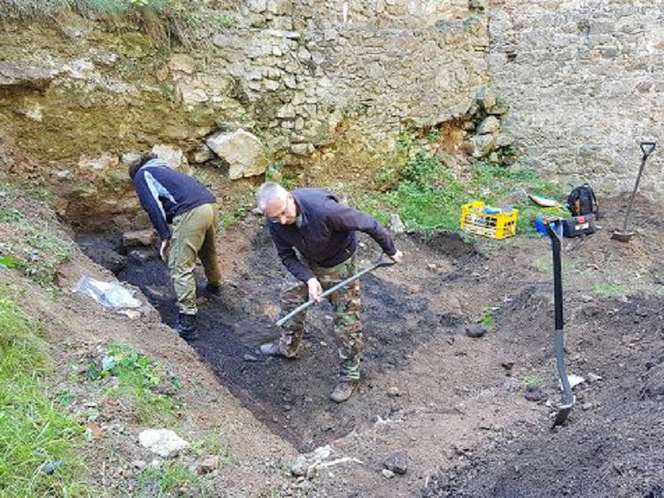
x: 623, y: 235
x: 378, y: 264
x: 554, y: 228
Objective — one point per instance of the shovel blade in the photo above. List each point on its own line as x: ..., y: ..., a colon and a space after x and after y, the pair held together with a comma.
x: 562, y: 415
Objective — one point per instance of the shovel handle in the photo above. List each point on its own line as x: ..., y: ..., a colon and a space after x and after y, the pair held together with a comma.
x: 647, y: 148
x: 554, y: 228
x: 378, y: 264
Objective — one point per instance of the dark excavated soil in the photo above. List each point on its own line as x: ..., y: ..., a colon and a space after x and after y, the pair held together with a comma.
x: 291, y: 396
x: 614, y: 316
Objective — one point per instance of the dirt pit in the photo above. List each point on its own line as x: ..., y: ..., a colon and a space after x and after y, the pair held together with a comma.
x: 291, y: 396
x: 455, y: 405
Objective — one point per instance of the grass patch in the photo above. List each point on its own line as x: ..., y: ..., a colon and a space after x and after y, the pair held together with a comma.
x: 610, y: 289
x: 31, y: 244
x: 238, y: 214
x: 10, y: 216
x: 428, y: 195
x: 212, y: 444
x: 33, y: 432
x: 173, y: 479
x: 531, y: 383
x: 140, y: 379
x: 226, y: 21
x: 487, y: 319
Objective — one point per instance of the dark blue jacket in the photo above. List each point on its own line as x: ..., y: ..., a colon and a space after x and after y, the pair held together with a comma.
x: 165, y: 193
x: 324, y: 233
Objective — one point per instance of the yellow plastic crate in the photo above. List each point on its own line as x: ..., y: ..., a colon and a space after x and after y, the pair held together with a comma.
x: 475, y: 220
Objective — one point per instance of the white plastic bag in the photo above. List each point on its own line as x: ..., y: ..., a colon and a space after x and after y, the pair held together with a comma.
x: 110, y: 295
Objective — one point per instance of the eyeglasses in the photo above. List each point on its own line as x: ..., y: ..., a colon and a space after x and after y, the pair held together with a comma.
x: 282, y: 213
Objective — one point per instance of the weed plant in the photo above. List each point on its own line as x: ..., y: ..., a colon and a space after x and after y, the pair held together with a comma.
x: 140, y: 379
x: 428, y: 196
x: 33, y: 431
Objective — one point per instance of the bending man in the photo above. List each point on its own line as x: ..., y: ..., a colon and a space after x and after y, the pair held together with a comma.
x: 314, y: 224
x: 169, y: 196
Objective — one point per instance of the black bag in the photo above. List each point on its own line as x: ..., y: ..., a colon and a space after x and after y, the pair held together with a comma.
x: 582, y: 201
x: 579, y: 225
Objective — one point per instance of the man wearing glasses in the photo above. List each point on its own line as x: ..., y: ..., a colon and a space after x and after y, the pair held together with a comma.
x: 315, y: 238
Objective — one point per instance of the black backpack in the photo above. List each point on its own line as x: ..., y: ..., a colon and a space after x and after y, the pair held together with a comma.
x: 582, y: 201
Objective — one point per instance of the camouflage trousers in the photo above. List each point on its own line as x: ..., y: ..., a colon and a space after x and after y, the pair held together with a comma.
x: 193, y: 237
x: 346, y: 305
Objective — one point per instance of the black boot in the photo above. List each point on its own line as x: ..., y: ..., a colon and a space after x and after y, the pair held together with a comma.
x: 186, y: 327
x: 214, y: 290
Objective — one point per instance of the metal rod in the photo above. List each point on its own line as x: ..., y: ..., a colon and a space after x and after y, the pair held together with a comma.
x: 329, y: 291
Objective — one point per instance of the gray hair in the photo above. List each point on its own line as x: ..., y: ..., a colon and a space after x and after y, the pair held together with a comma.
x: 268, y: 193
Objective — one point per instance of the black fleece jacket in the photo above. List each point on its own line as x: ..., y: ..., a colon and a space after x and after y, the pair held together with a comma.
x: 324, y: 233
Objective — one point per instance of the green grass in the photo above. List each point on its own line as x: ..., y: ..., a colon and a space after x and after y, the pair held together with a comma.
x: 173, y: 479
x: 239, y: 213
x: 33, y: 431
x: 487, y: 319
x: 426, y: 194
x: 10, y: 216
x: 140, y: 379
x: 212, y: 444
x: 226, y: 21
x: 610, y: 289
x: 38, y: 9
x: 532, y: 382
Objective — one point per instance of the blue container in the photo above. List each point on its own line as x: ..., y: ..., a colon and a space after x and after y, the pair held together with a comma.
x: 539, y: 224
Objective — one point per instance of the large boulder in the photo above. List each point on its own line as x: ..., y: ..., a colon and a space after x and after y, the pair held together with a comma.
x: 174, y: 157
x: 241, y: 150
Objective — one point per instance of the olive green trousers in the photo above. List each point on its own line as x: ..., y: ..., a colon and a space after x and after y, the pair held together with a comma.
x: 194, y: 236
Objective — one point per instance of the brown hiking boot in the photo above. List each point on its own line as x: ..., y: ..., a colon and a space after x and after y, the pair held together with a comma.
x: 276, y: 349
x: 343, y: 390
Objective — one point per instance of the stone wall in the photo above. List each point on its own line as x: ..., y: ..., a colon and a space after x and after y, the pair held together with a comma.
x: 583, y: 79
x: 79, y: 98
x: 386, y: 63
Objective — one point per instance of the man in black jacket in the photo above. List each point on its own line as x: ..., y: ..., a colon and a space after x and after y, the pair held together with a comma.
x: 315, y: 238
x: 169, y: 196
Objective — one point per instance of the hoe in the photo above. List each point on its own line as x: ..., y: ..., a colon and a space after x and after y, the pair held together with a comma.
x: 378, y: 264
